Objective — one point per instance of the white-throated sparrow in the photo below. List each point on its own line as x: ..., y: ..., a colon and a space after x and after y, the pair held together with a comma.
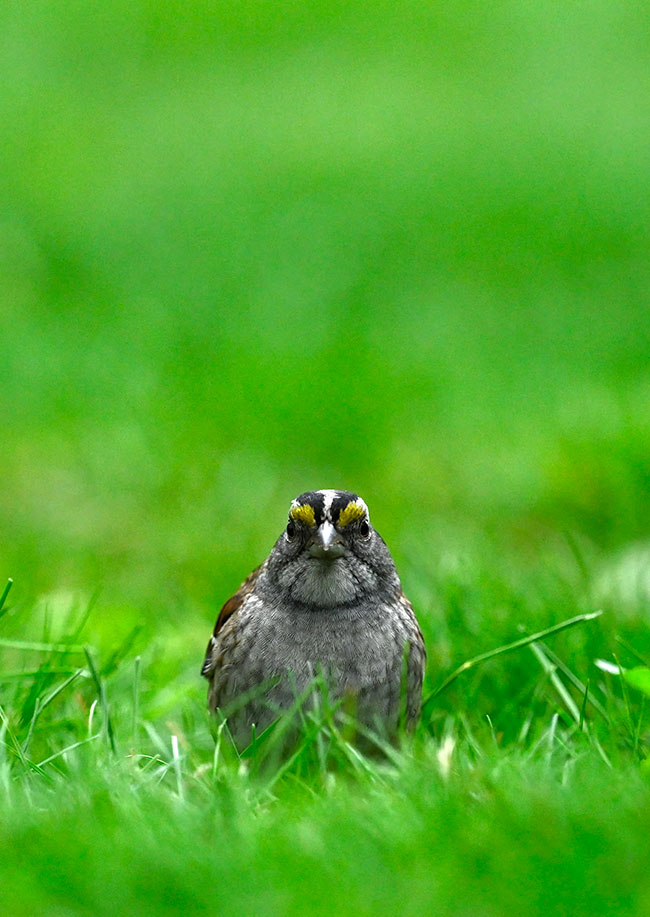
x: 327, y: 599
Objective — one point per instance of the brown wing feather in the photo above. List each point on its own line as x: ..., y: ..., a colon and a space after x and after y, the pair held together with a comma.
x: 227, y: 611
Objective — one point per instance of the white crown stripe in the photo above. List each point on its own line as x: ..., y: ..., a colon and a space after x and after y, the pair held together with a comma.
x: 329, y: 496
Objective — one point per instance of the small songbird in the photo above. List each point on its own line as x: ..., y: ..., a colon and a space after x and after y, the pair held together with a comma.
x: 326, y: 600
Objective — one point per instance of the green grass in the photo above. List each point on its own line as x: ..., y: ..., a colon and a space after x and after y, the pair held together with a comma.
x: 525, y: 787
x: 252, y: 248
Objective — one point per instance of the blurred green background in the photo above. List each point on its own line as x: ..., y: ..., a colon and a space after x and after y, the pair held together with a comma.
x: 252, y: 248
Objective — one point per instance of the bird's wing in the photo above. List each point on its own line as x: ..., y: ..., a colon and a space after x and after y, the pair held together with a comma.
x: 229, y: 608
x: 417, y: 660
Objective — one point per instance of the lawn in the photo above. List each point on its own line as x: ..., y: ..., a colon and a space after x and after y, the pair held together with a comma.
x: 250, y: 249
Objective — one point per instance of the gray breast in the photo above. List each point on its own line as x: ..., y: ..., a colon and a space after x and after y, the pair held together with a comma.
x: 358, y: 650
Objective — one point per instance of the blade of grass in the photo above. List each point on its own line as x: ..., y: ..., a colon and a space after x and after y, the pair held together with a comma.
x: 178, y: 770
x: 116, y: 657
x: 5, y: 764
x: 15, y: 744
x: 217, y: 749
x: 631, y: 650
x: 42, y: 704
x: 101, y: 691
x: 583, y: 706
x: 287, y: 720
x: 257, y: 741
x: 626, y: 697
x: 67, y: 748
x: 502, y: 650
x: 136, y: 701
x: 551, y: 737
x: 555, y: 680
x: 76, y: 633
x: 637, y: 732
x: 32, y: 673
x: 358, y: 761
x: 5, y: 593
x: 39, y: 647
x: 57, y: 690
x: 575, y: 681
x: 389, y: 751
x: 273, y: 756
x: 153, y: 734
x: 47, y: 624
x: 530, y: 716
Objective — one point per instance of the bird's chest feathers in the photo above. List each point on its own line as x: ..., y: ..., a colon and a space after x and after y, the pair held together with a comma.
x: 354, y: 640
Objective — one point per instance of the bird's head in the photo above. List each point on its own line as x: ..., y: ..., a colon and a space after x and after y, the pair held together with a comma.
x: 329, y: 554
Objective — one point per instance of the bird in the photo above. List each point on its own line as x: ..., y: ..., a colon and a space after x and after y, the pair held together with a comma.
x: 327, y: 600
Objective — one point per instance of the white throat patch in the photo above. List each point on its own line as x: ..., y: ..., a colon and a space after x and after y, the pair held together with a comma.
x: 325, y: 583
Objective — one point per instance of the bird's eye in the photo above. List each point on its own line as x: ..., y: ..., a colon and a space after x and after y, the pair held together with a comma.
x: 364, y: 529
x: 291, y: 530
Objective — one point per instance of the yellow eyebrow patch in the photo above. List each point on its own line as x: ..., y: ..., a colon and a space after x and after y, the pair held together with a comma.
x: 303, y: 513
x: 351, y: 513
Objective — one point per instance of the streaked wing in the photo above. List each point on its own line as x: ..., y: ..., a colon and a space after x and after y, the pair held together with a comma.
x: 417, y: 660
x: 230, y: 607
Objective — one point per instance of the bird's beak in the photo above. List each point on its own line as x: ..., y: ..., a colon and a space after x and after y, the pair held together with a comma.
x: 326, y: 543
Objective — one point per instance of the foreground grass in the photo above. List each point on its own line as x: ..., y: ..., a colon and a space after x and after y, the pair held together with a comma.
x: 524, y: 790
x: 507, y: 833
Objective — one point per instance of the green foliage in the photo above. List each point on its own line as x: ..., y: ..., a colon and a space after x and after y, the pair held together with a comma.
x: 252, y: 248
